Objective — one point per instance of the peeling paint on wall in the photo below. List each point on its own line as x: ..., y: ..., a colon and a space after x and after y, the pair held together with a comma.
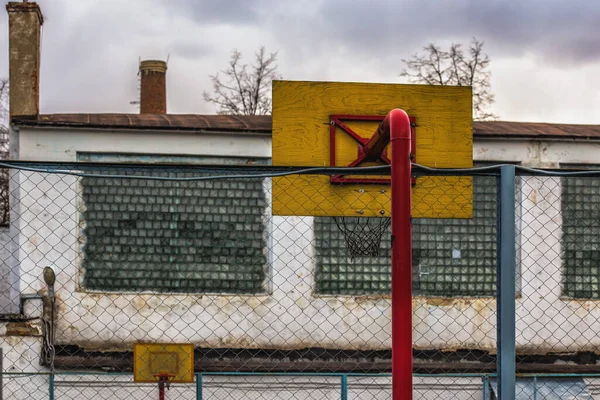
x: 291, y: 316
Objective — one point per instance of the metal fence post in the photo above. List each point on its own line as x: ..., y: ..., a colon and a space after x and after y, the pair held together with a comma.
x: 505, y: 291
x: 199, y: 386
x: 344, y: 383
x: 1, y: 374
x: 486, y: 383
x: 51, y: 386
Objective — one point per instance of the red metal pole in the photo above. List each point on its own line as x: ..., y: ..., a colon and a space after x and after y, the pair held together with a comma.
x: 161, y: 389
x: 163, y: 380
x: 398, y: 123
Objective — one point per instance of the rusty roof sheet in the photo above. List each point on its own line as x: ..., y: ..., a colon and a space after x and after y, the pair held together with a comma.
x: 261, y: 124
x: 254, y: 124
x: 534, y: 130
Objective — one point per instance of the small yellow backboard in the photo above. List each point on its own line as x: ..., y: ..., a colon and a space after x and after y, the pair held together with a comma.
x: 152, y: 359
x: 322, y: 124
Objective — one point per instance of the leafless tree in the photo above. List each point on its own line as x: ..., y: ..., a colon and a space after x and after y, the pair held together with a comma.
x: 435, y: 66
x: 244, y: 89
x: 3, y: 106
x: 4, y: 176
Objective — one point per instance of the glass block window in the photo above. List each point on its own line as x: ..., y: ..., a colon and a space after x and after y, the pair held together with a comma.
x: 451, y: 257
x: 580, y: 207
x: 174, y: 236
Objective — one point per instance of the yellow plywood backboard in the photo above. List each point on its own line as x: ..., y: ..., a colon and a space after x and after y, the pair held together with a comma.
x: 150, y: 359
x: 302, y: 137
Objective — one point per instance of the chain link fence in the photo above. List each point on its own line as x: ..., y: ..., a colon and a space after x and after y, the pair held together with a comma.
x: 275, y: 306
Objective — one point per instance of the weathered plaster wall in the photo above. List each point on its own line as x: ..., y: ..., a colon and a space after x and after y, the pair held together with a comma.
x: 63, y: 145
x: 291, y: 316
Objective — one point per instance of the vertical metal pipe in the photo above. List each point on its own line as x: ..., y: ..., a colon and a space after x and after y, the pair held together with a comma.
x: 485, y: 387
x: 161, y: 388
x: 344, y: 395
x: 535, y: 396
x: 199, y: 387
x: 400, y: 137
x: 1, y: 374
x: 51, y: 386
x: 505, y: 291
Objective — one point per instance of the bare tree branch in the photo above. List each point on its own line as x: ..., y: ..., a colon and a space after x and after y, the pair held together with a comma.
x: 434, y: 66
x: 244, y: 89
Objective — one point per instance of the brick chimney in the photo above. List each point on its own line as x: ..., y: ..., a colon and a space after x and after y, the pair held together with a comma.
x: 24, y: 27
x: 153, y: 96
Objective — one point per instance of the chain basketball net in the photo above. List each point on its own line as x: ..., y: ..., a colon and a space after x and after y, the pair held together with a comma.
x: 363, y: 235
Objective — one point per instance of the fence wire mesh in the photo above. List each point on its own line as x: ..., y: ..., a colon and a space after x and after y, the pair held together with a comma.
x: 557, y: 321
x: 275, y: 306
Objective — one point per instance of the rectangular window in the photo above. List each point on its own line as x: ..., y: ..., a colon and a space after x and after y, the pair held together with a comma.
x: 580, y: 209
x: 174, y: 236
x: 451, y: 257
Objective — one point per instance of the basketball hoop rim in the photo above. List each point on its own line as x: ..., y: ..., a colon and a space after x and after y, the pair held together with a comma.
x: 168, y: 376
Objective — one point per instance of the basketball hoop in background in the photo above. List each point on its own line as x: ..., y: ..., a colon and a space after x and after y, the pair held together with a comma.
x: 163, y: 363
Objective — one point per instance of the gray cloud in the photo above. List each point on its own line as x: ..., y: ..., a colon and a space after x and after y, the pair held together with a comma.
x: 90, y: 49
x: 214, y: 11
x: 190, y: 49
x: 556, y: 31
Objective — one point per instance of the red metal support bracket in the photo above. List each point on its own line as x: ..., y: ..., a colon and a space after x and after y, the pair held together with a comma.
x: 366, y: 151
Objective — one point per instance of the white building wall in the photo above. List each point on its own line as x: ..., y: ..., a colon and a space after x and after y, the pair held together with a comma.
x: 64, y: 144
x: 291, y: 316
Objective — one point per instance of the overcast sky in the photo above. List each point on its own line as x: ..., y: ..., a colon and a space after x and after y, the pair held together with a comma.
x: 545, y: 53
